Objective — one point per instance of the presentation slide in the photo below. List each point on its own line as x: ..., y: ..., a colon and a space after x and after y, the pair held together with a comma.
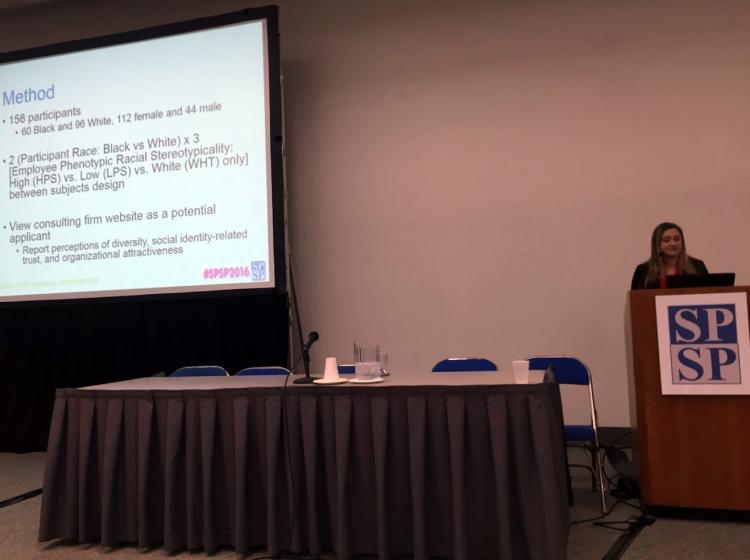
x: 138, y: 168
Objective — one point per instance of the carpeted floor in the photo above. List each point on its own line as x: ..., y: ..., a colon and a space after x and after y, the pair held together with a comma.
x: 676, y: 539
x: 20, y: 473
x: 666, y: 539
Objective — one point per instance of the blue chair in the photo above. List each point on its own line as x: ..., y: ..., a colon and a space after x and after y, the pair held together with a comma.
x: 464, y: 364
x: 200, y: 371
x: 265, y: 370
x: 572, y: 371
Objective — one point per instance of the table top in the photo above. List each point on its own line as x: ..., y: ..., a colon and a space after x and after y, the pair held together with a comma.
x: 268, y: 381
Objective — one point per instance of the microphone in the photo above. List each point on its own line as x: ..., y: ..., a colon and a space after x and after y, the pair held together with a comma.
x: 311, y: 338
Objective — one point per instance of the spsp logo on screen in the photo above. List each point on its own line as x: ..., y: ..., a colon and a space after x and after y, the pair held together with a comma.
x: 703, y: 344
x: 258, y: 270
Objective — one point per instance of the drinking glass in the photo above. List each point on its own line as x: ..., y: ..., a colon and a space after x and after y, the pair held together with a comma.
x: 370, y: 360
x: 382, y: 356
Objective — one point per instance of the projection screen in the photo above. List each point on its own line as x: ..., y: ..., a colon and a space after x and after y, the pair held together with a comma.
x: 143, y: 163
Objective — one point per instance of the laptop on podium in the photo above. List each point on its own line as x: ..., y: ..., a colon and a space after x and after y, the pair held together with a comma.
x: 711, y: 280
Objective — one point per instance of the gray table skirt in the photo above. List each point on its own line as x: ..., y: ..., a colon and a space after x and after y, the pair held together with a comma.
x: 466, y: 472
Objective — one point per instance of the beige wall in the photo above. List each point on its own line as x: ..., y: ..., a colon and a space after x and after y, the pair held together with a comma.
x: 481, y: 177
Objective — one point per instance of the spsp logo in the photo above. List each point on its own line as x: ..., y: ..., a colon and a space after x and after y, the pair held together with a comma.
x: 704, y: 340
x: 258, y: 270
x: 703, y: 344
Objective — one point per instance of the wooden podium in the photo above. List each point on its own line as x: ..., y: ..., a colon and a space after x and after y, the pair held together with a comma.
x: 694, y: 451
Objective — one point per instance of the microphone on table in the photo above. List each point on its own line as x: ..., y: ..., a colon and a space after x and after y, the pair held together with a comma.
x: 311, y: 338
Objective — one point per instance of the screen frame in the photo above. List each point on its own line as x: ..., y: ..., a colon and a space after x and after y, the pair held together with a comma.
x: 275, y: 143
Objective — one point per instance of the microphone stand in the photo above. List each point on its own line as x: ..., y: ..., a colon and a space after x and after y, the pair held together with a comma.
x: 307, y: 379
x: 306, y: 361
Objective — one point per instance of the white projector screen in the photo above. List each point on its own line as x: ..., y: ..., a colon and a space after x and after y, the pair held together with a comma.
x: 139, y: 167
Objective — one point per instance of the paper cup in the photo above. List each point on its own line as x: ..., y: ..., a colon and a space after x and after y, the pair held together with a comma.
x: 331, y: 370
x: 521, y: 371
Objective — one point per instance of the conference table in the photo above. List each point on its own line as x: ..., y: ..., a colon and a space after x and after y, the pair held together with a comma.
x: 446, y: 465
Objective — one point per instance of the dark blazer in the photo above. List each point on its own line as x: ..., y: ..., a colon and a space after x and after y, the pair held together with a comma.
x: 639, y: 276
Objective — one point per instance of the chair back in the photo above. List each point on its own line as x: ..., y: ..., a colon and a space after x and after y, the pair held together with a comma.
x: 464, y: 364
x: 200, y: 371
x: 265, y: 370
x: 567, y: 370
